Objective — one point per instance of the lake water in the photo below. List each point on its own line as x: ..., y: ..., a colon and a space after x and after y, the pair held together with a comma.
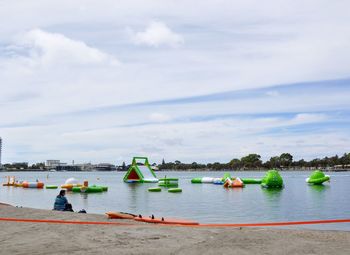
x: 207, y: 203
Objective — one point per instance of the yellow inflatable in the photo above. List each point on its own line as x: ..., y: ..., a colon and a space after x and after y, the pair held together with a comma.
x: 70, y: 186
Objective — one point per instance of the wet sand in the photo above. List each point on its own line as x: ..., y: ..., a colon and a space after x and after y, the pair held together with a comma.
x: 142, y: 238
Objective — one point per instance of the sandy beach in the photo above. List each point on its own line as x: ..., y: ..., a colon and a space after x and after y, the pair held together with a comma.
x: 142, y: 238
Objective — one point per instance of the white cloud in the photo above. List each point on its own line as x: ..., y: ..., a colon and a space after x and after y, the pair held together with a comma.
x: 53, y: 49
x: 303, y: 118
x: 272, y: 93
x: 64, y: 74
x: 157, y: 34
x: 159, y: 117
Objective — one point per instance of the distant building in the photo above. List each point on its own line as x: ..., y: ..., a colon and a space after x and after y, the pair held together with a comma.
x: 85, y: 166
x: 51, y: 163
x: 65, y: 167
x: 105, y: 167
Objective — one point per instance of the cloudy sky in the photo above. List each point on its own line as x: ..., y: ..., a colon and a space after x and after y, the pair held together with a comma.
x: 204, y: 81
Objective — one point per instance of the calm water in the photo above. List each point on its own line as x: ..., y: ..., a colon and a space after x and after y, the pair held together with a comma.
x: 207, y: 203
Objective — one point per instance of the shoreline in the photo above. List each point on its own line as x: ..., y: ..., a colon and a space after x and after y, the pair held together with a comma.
x: 143, y: 238
x: 182, y: 170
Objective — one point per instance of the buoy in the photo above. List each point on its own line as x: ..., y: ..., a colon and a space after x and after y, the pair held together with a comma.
x: 154, y: 189
x: 175, y: 190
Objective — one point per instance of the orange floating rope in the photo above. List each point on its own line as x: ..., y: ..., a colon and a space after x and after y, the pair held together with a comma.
x: 214, y: 225
x: 271, y: 224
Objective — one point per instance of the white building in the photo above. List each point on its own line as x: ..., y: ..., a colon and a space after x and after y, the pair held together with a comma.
x: 52, y: 163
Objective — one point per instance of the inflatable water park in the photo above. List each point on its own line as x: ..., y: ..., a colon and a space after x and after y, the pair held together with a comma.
x: 272, y: 179
x: 141, y: 171
x: 71, y: 184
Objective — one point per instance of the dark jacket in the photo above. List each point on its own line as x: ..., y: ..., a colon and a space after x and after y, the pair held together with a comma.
x: 60, y: 203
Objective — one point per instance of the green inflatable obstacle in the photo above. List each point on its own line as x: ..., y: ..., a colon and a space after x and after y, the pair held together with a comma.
x: 104, y: 188
x: 96, y: 189
x: 51, y: 186
x: 175, y: 190
x: 272, y: 179
x: 155, y: 189
x: 168, y: 182
x: 90, y: 189
x: 196, y: 180
x: 169, y: 179
x: 226, y: 175
x: 76, y: 189
x: 317, y: 178
x: 251, y: 181
x: 140, y: 171
x: 205, y: 180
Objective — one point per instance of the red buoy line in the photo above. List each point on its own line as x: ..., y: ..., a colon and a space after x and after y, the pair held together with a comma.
x: 271, y: 224
x: 214, y: 225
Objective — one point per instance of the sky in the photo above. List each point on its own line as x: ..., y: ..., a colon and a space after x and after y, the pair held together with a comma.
x: 195, y: 81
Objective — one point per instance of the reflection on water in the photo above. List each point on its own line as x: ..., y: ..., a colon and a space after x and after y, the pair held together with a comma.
x: 271, y: 199
x: 317, y: 192
x: 319, y: 188
x: 236, y: 189
x: 85, y: 200
x: 133, y: 195
x: 317, y: 195
x: 84, y: 195
x: 272, y: 194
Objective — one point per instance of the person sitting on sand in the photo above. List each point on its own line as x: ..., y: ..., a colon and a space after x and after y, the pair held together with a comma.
x: 61, y: 202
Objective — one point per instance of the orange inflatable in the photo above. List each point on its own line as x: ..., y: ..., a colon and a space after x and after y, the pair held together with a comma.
x: 236, y: 183
x: 36, y: 185
x: 70, y: 186
x: 11, y: 181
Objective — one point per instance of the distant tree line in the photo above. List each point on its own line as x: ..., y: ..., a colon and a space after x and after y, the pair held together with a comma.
x: 23, y: 166
x: 254, y: 162
x: 249, y: 162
